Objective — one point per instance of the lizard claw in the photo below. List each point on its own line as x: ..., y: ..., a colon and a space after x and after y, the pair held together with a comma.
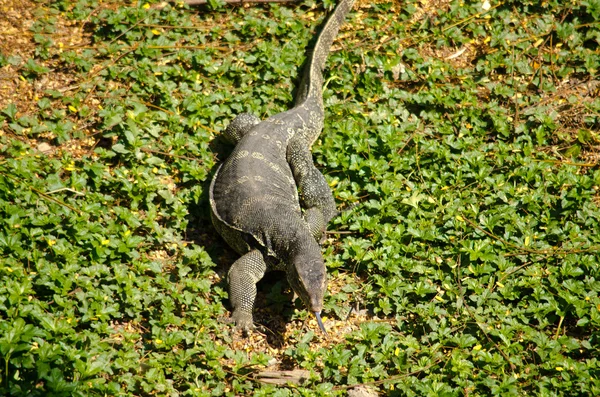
x: 242, y: 321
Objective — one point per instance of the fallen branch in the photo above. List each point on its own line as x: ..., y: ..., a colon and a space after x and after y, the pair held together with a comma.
x: 294, y: 377
x: 200, y: 2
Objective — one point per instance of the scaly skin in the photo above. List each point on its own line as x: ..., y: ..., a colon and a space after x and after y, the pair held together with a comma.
x: 269, y: 201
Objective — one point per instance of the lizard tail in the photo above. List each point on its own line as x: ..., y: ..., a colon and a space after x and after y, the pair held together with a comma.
x: 312, y: 80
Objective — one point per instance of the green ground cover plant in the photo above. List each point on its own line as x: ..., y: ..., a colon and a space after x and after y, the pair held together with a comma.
x: 465, y: 134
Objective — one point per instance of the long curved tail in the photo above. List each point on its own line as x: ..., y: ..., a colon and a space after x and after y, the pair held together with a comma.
x: 311, y: 85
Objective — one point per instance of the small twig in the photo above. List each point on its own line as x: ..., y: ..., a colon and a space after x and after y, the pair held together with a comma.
x: 184, y: 47
x: 202, y: 2
x: 69, y: 88
x: 513, y: 271
x: 350, y: 312
x: 44, y: 195
x: 550, y: 98
x: 207, y: 128
x: 128, y: 30
x: 410, y: 138
x: 585, y: 25
x: 134, y: 47
x: 153, y: 25
x: 68, y: 189
x: 472, y: 315
x: 153, y: 106
x: 516, y: 99
x: 167, y: 154
x: 550, y: 53
x: 585, y: 105
x: 462, y: 21
x: 548, y: 252
x: 512, y: 366
x: 558, y: 328
x: 340, y: 232
x: 567, y: 163
x: 106, y: 66
x: 391, y: 379
x: 477, y: 15
x: 48, y: 197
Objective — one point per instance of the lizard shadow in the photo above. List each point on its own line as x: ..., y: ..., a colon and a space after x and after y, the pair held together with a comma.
x: 274, y: 307
x: 200, y: 229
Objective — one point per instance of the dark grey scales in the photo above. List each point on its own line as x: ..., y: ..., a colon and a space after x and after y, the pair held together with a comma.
x: 269, y: 201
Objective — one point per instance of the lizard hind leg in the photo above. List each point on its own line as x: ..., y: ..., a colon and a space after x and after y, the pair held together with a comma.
x: 243, y: 276
x: 239, y: 127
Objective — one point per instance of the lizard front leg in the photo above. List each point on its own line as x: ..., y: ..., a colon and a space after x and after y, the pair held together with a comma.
x: 243, y: 276
x: 239, y: 127
x: 315, y: 195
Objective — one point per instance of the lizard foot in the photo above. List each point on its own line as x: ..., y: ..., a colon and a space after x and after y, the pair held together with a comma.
x: 243, y: 321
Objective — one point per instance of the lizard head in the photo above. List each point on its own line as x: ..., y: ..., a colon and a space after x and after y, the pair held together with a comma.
x: 309, y: 281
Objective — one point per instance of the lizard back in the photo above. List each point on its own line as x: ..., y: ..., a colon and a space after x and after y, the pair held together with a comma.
x: 257, y: 173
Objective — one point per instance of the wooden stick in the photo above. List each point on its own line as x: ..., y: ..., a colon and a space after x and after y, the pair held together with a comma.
x: 294, y: 377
